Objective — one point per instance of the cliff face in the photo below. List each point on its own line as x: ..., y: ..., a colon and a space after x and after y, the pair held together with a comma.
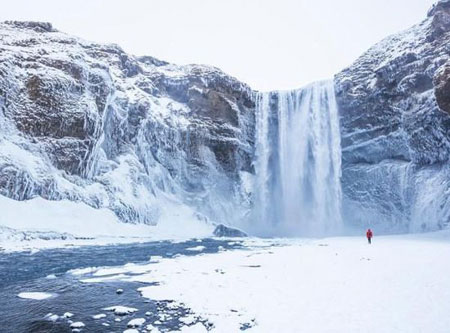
x: 88, y: 122
x: 395, y: 128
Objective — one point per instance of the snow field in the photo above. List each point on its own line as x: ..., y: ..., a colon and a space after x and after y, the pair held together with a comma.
x: 397, y: 284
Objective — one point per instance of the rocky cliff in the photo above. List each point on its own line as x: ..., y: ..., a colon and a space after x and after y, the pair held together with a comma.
x: 88, y: 122
x: 395, y: 124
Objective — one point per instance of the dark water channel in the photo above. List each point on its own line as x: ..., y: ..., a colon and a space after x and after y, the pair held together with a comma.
x: 26, y: 272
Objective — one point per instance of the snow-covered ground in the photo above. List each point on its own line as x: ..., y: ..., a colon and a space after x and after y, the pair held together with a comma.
x: 397, y: 284
x: 39, y: 223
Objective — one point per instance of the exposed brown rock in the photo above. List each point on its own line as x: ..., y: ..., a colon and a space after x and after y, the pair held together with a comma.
x: 442, y: 88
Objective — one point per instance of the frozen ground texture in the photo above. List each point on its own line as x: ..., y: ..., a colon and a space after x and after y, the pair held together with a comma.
x: 397, y: 284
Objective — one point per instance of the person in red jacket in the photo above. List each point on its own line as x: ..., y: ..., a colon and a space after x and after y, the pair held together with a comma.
x: 369, y: 235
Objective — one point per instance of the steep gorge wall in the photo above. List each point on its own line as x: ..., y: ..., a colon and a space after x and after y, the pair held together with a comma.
x: 87, y: 122
x: 396, y: 129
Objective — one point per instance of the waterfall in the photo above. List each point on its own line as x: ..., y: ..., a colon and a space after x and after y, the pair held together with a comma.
x: 298, y: 163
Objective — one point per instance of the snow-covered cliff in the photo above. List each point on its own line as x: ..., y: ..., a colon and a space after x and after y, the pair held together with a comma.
x: 87, y: 122
x: 155, y: 142
x: 395, y: 137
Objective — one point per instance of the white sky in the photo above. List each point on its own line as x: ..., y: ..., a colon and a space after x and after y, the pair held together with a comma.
x: 277, y: 44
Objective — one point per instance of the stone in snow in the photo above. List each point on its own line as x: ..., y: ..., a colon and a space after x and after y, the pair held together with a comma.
x: 119, y: 291
x: 225, y: 231
x: 68, y: 315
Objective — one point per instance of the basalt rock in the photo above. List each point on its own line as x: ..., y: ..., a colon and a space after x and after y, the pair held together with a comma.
x: 224, y: 231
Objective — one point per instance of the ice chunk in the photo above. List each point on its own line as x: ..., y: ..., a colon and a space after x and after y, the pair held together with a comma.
x: 120, y: 310
x: 35, y: 295
x: 52, y: 317
x: 199, y: 248
x: 77, y: 324
x: 137, y: 322
x: 99, y: 316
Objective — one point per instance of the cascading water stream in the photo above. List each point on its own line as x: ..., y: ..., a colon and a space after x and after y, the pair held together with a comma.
x: 298, y: 163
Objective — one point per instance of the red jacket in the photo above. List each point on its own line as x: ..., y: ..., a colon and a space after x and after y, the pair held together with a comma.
x: 369, y: 233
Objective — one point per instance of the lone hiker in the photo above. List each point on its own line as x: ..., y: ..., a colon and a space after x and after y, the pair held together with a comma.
x: 369, y: 235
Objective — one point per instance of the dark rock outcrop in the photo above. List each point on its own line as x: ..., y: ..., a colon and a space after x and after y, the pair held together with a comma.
x: 224, y: 231
x: 440, y: 18
x: 442, y: 87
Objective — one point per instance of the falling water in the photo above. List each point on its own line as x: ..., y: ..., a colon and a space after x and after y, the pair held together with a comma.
x: 298, y: 164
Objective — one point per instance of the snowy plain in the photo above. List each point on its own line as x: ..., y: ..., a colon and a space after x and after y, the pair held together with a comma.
x: 397, y: 284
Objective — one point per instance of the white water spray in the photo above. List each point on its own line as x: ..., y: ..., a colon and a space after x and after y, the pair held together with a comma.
x: 298, y: 166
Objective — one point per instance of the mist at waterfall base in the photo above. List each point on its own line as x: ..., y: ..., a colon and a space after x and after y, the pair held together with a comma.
x: 298, y: 163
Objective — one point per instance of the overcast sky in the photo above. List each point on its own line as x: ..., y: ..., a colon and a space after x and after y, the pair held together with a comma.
x: 276, y: 44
